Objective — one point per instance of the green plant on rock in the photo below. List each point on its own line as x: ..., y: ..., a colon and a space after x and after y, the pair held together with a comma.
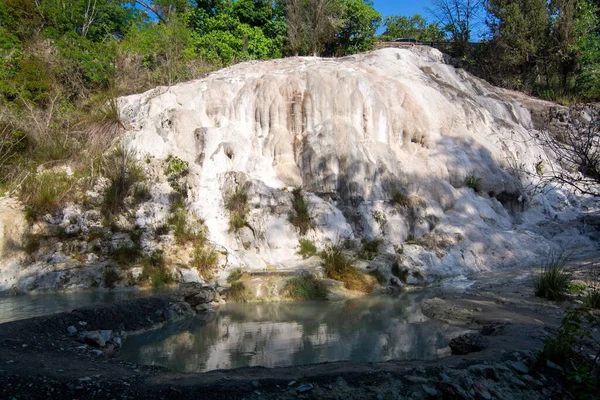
x: 339, y: 265
x: 237, y: 205
x: 552, y: 281
x: 577, y: 350
x: 154, y: 269
x: 205, y: 259
x: 400, y: 272
x: 176, y: 169
x: 300, y: 215
x: 399, y: 198
x: 235, y: 276
x: 185, y: 231
x: 592, y: 298
x: 305, y: 287
x: 539, y: 168
x: 45, y: 192
x: 239, y: 293
x: 123, y: 173
x: 126, y: 255
x: 111, y: 276
x: 473, y: 182
x: 307, y: 248
x: 369, y: 248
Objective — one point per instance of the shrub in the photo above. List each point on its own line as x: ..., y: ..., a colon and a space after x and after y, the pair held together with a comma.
x: 237, y: 205
x: 379, y: 277
x: 400, y: 199
x: 552, y: 282
x: 400, y: 272
x: 575, y: 349
x: 162, y: 229
x: 205, y: 259
x: 239, y: 292
x: 369, y: 248
x: 473, y: 182
x: 101, y: 120
x: 154, y: 268
x: 110, y: 278
x: 304, y: 287
x: 339, y: 266
x: 592, y: 298
x: 185, y: 232
x: 45, y: 192
x: 307, y: 248
x: 300, y: 215
x: 123, y: 172
x: 235, y: 275
x: 176, y: 169
x: 126, y: 255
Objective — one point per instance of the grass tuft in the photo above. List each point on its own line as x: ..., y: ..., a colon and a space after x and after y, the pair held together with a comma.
x: 110, y: 278
x: 305, y: 287
x: 205, y: 259
x: 592, y: 298
x: 235, y: 275
x: 369, y: 248
x: 307, y: 248
x: 339, y: 266
x: 45, y: 192
x: 300, y: 215
x: 124, y: 174
x: 239, y: 293
x: 154, y: 269
x: 552, y: 282
x: 237, y: 205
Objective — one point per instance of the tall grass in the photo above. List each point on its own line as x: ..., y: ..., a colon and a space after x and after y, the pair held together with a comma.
x: 237, y: 205
x: 307, y: 248
x: 45, y: 192
x: 205, y: 259
x: 123, y: 173
x: 340, y: 266
x: 552, y: 281
x: 300, y: 215
x: 305, y: 287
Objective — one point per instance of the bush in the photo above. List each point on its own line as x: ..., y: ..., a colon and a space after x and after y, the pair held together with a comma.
x: 45, y: 192
x: 552, y: 282
x: 110, y: 278
x: 400, y: 199
x: 235, y: 275
x: 400, y: 272
x: 592, y: 298
x: 239, y: 292
x: 379, y: 277
x: 123, y: 172
x: 473, y: 182
x: 575, y: 349
x: 339, y: 266
x: 369, y: 248
x: 176, y: 169
x: 307, y: 248
x: 300, y: 215
x: 154, y: 268
x: 206, y: 260
x: 126, y: 255
x: 237, y: 205
x: 185, y: 232
x: 305, y: 287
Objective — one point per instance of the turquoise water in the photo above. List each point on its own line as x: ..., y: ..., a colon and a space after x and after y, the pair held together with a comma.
x: 284, y: 334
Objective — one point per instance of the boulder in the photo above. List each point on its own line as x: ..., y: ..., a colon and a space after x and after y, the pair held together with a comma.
x: 467, y: 343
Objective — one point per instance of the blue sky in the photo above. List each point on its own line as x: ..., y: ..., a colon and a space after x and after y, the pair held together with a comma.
x: 402, y: 7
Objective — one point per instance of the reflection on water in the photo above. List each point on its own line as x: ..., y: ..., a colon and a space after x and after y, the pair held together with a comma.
x: 283, y: 334
x: 13, y: 308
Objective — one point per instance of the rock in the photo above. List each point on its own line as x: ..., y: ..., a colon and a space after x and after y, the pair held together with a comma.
x: 117, y: 341
x: 493, y: 329
x: 430, y: 391
x: 189, y: 276
x: 467, y: 343
x: 518, y: 383
x: 93, y: 338
x: 486, y: 371
x: 255, y: 384
x: 96, y: 352
x: 72, y: 331
x: 416, y: 379
x: 520, y: 367
x: 106, y: 335
x: 307, y: 387
x: 442, y: 310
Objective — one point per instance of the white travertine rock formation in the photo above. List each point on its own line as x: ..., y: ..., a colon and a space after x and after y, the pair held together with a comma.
x: 351, y: 132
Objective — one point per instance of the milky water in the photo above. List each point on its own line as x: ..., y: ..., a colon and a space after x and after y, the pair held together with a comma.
x: 14, y: 308
x: 283, y: 334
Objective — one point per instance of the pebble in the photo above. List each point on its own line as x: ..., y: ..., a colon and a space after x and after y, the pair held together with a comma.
x: 305, y: 388
x: 520, y: 367
x: 518, y: 383
x: 72, y: 330
x: 255, y: 384
x: 85, y: 379
x: 429, y: 390
x: 552, y: 365
x: 292, y: 383
x: 416, y: 379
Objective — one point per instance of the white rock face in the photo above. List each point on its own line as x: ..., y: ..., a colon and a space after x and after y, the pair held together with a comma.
x: 351, y: 132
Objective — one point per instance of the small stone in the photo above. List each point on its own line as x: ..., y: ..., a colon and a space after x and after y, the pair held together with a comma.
x: 82, y: 323
x: 445, y: 378
x: 528, y: 379
x: 106, y: 335
x: 416, y: 379
x: 305, y: 388
x: 486, y: 371
x: 430, y: 391
x: 72, y: 330
x: 96, y: 352
x: 24, y: 346
x: 85, y: 379
x: 255, y: 384
x: 60, y: 370
x: 520, y: 367
x: 292, y: 383
x: 94, y: 338
x: 478, y: 309
x: 467, y: 343
x: 552, y: 365
x: 379, y: 396
x: 518, y: 383
x: 117, y: 340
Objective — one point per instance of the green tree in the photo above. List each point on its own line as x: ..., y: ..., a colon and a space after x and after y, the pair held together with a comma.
x: 414, y: 27
x: 587, y: 31
x: 359, y: 24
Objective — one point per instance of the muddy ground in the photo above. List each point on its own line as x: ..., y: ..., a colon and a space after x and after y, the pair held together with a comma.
x: 39, y: 359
